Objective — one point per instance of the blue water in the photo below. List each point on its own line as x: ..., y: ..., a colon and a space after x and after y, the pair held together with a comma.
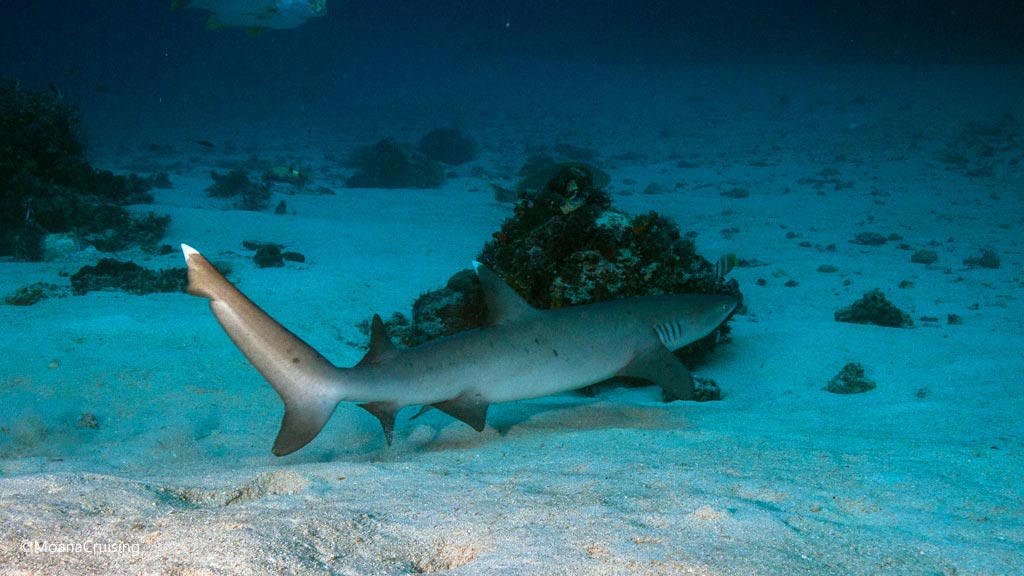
x: 140, y: 64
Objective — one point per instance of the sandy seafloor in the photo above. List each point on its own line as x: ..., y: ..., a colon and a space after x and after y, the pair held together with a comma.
x: 923, y: 475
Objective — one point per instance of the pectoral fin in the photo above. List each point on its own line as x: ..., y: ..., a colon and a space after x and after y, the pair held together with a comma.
x: 661, y: 367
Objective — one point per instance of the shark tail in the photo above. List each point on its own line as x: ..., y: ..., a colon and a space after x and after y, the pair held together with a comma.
x: 308, y: 383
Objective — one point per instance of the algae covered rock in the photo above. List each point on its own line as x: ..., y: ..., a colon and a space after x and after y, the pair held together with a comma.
x: 566, y: 245
x: 540, y: 170
x: 924, y: 257
x: 987, y: 259
x: 268, y: 256
x: 47, y: 186
x: 253, y: 196
x: 34, y: 293
x: 111, y: 274
x: 705, y: 390
x: 456, y: 307
x: 271, y: 255
x: 448, y: 145
x: 389, y: 164
x: 874, y: 308
x: 88, y: 421
x: 850, y: 380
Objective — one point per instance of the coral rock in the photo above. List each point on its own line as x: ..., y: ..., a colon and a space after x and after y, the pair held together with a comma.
x: 874, y: 308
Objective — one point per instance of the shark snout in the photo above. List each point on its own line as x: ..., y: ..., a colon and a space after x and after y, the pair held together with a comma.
x: 721, y: 306
x: 710, y: 313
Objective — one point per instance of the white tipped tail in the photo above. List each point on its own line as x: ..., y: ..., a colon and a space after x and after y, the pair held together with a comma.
x: 305, y: 380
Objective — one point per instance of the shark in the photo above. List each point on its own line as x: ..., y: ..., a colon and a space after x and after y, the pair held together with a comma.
x: 256, y: 15
x: 521, y: 352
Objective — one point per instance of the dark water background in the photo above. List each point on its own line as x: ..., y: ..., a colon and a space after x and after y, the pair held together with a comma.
x: 137, y: 65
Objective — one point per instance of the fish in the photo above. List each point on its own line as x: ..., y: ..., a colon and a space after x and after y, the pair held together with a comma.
x: 520, y: 352
x: 725, y: 265
x: 256, y: 15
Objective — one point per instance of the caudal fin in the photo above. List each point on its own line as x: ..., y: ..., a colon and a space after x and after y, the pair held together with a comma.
x: 307, y: 383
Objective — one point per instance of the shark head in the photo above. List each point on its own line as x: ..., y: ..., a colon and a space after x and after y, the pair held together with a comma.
x: 690, y: 317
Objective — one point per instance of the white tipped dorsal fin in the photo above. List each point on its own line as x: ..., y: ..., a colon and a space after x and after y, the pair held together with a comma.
x: 503, y: 303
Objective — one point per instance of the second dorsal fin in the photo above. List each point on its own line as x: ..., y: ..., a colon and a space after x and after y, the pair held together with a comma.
x: 503, y: 303
x: 385, y: 412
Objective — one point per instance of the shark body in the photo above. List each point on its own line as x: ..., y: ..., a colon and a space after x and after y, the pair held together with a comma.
x: 522, y: 352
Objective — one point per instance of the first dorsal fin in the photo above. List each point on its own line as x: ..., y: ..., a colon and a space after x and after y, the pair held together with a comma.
x: 503, y: 303
x: 381, y: 347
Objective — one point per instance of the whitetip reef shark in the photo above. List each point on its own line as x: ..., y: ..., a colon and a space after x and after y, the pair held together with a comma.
x: 521, y: 352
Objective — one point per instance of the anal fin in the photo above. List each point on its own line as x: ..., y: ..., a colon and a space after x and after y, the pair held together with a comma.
x: 470, y: 407
x: 660, y: 366
x: 385, y: 412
